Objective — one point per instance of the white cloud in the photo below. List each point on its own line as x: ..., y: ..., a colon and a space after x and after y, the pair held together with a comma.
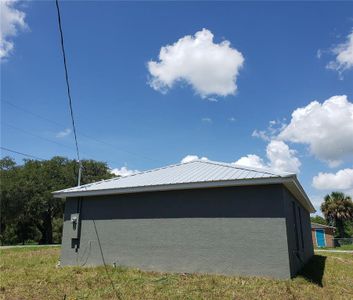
x: 274, y: 127
x: 319, y: 53
x: 251, y: 160
x: 327, y: 128
x: 342, y: 180
x: 63, y: 133
x: 344, y: 55
x: 190, y: 158
x: 232, y: 119
x: 206, y: 120
x: 123, y: 171
x: 280, y: 158
x: 262, y: 134
x: 11, y: 20
x: 210, y: 68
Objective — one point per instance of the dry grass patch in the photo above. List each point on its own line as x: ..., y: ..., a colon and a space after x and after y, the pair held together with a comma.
x: 31, y: 273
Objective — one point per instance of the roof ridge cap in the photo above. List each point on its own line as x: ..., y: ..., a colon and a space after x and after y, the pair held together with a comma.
x: 138, y: 173
x: 247, y: 168
x: 152, y: 170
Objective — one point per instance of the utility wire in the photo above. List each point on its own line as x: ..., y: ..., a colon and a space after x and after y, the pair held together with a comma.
x: 81, y: 133
x: 69, y: 91
x: 117, y: 294
x: 21, y: 153
x: 49, y: 140
x: 35, y: 135
x: 31, y: 113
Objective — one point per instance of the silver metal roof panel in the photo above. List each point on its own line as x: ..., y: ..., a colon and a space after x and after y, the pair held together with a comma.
x: 195, y: 174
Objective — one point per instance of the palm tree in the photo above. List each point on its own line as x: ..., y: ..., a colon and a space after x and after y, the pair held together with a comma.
x: 338, y: 208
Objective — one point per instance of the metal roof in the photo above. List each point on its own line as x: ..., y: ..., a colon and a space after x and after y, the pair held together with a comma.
x: 194, y: 174
x: 317, y: 225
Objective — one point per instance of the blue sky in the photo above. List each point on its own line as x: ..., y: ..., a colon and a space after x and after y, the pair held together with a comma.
x: 291, y: 57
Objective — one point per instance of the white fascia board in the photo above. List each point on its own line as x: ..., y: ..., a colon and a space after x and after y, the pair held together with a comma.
x: 298, y: 192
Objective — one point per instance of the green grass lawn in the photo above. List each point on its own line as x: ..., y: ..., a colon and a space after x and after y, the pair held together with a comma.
x: 31, y: 273
x: 343, y: 247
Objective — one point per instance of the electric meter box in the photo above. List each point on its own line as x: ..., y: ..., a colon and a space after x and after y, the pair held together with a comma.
x: 75, y: 222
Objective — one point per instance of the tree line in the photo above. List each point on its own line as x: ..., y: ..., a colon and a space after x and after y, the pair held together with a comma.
x: 29, y: 213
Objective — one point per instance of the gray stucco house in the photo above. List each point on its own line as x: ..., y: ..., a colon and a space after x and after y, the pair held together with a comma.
x: 200, y: 216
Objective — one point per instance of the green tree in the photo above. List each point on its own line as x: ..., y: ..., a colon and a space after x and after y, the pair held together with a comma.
x: 15, y: 224
x: 337, y: 209
x: 27, y: 204
x: 318, y: 220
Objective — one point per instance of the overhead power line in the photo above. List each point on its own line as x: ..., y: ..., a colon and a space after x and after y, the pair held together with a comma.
x: 51, y: 141
x: 69, y: 91
x: 81, y: 133
x: 20, y: 153
x: 36, y: 135
x: 27, y: 111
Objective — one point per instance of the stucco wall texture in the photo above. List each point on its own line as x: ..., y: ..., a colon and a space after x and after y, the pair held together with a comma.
x: 300, y: 244
x: 234, y: 231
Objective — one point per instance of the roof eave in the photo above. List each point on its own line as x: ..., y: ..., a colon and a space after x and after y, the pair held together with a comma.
x: 290, y: 182
x: 321, y: 225
x: 297, y: 190
x: 168, y: 187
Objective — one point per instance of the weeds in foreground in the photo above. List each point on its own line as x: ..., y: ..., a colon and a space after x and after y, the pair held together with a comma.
x: 31, y: 273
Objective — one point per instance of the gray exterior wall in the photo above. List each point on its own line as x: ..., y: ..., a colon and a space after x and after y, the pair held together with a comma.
x: 300, y: 244
x: 234, y: 230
